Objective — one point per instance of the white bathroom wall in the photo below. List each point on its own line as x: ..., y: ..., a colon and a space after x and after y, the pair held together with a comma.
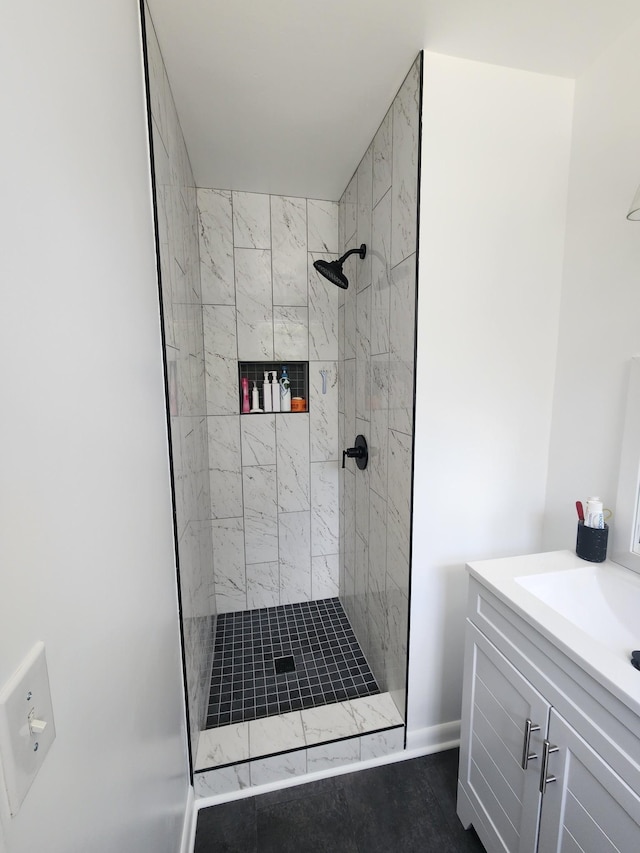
x: 177, y: 213
x: 274, y: 477
x: 376, y: 319
x: 86, y: 545
x: 600, y: 316
x: 495, y: 160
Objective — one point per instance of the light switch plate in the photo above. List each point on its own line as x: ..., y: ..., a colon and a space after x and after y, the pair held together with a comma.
x: 24, y: 699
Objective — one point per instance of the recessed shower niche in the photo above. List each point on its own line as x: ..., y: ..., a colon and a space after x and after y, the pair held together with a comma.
x: 282, y: 554
x: 258, y: 374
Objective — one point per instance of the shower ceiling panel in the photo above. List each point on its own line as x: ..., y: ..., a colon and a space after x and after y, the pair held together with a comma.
x: 283, y: 97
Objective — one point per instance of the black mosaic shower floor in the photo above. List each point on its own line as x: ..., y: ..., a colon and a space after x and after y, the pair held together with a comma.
x: 251, y: 675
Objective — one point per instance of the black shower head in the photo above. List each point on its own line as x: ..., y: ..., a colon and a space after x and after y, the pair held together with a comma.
x: 332, y: 270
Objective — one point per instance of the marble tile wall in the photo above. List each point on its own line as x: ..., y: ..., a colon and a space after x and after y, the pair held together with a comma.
x: 184, y: 350
x: 273, y: 477
x: 376, y: 340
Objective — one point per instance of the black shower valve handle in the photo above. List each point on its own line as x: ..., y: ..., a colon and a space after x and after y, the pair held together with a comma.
x: 352, y: 453
x: 360, y: 452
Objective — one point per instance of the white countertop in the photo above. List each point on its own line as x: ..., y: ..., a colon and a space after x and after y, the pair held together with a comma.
x: 606, y: 660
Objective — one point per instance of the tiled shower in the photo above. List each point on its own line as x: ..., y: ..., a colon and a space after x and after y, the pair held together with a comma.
x: 274, y: 477
x: 267, y: 522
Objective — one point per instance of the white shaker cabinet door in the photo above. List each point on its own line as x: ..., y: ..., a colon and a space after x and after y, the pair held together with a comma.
x: 497, y: 703
x: 588, y: 808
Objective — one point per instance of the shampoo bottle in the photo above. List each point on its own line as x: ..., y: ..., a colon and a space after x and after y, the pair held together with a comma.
x: 266, y: 393
x: 285, y: 391
x: 275, y: 391
x: 245, y: 395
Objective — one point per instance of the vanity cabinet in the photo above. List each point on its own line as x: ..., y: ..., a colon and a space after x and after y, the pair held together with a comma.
x: 548, y: 761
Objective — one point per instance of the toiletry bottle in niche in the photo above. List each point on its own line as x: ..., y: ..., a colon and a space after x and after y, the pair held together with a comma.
x: 275, y: 391
x: 255, y: 398
x: 266, y: 393
x: 285, y: 391
x: 245, y: 395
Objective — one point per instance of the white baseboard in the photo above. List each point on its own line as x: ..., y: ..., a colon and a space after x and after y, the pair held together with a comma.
x: 189, y: 824
x: 421, y: 742
x: 434, y: 738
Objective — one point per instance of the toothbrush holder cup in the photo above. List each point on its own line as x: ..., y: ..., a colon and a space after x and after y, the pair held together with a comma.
x: 591, y: 543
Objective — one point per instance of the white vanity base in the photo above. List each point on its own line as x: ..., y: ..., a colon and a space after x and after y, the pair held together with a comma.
x: 524, y: 661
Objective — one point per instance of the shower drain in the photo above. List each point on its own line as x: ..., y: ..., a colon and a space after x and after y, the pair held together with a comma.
x: 284, y: 665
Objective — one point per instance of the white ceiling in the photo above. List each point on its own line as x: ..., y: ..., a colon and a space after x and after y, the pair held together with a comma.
x: 284, y: 96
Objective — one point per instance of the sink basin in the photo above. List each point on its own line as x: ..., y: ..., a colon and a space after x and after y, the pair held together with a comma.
x: 601, y: 600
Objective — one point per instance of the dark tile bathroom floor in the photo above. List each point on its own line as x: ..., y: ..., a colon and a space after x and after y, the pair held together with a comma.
x: 285, y: 658
x: 406, y: 807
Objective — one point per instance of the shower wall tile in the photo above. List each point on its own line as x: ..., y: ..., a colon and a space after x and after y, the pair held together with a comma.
x: 401, y: 354
x: 362, y: 498
x: 365, y: 206
x: 322, y: 226
x: 254, y: 306
x: 260, y: 513
x: 221, y: 352
x: 351, y: 210
x: 361, y: 593
x: 349, y: 401
x: 263, y: 585
x: 350, y: 314
x: 279, y: 308
x: 379, y: 424
x: 162, y: 170
x: 323, y: 411
x: 216, y: 247
x: 341, y: 221
x: 349, y: 504
x: 292, y: 454
x: 323, y: 313
x: 380, y: 275
x: 324, y: 508
x: 251, y: 221
x: 375, y: 391
x: 225, y: 470
x: 157, y: 79
x: 363, y: 353
x: 228, y: 564
x: 289, y: 250
x: 325, y: 571
x: 404, y: 192
x: 181, y: 296
x: 258, y: 440
x: 382, y: 158
x: 290, y: 333
x: 396, y: 644
x: 399, y: 506
x: 377, y: 544
x: 294, y: 533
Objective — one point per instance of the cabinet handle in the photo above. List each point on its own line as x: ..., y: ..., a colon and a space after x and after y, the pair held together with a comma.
x: 526, y: 755
x: 547, y: 750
